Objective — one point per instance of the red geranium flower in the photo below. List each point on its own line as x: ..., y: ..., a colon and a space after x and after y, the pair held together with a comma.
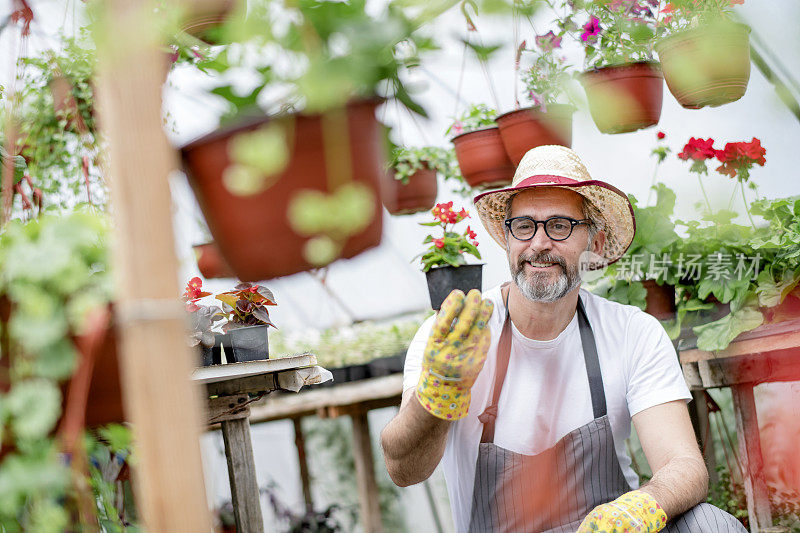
x: 698, y: 149
x: 439, y: 243
x: 739, y: 158
x: 660, y: 135
x: 469, y: 233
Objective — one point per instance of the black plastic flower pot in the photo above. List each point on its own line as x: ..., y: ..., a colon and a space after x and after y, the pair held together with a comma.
x: 384, y: 366
x: 357, y: 372
x: 249, y: 343
x: 212, y: 355
x: 339, y: 375
x: 443, y: 280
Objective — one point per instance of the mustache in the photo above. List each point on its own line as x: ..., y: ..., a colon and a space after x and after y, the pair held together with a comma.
x: 541, y: 258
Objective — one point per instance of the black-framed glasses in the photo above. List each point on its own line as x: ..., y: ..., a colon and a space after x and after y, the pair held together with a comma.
x: 557, y: 228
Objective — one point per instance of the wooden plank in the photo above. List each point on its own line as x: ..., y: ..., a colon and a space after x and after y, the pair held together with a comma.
x: 248, y: 385
x: 334, y: 411
x: 305, y: 478
x: 752, y: 463
x: 766, y: 338
x: 234, y: 371
x: 370, y: 512
x: 692, y: 376
x: 782, y: 365
x: 163, y: 405
x: 281, y: 406
x: 228, y: 408
x: 242, y: 476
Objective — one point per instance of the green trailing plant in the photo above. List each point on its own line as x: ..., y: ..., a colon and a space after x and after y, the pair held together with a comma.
x: 449, y: 249
x: 407, y: 161
x: 612, y: 32
x: 53, y: 275
x: 548, y: 76
x: 57, y: 132
x: 476, y: 117
x: 678, y: 15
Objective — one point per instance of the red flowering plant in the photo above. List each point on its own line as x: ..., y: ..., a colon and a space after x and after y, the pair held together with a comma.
x: 612, y: 32
x: 202, y: 318
x: 246, y: 305
x: 449, y: 249
x: 737, y: 159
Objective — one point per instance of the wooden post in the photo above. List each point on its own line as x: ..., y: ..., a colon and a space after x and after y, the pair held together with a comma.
x: 305, y: 479
x: 365, y: 474
x: 242, y: 474
x: 703, y: 432
x: 752, y: 463
x: 156, y: 363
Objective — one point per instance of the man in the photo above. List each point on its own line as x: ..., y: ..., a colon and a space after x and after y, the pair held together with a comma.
x: 526, y: 396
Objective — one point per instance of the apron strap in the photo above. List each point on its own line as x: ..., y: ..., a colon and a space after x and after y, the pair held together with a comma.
x: 595, y: 377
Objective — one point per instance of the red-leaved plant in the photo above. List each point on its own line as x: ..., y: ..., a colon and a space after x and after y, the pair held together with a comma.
x: 448, y: 249
x: 246, y: 306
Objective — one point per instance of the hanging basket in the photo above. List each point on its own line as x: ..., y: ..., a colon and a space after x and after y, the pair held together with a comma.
x: 445, y: 279
x: 419, y: 194
x: 324, y: 204
x: 707, y: 66
x: 483, y: 159
x: 207, y: 15
x: 527, y: 128
x: 660, y: 299
x: 210, y: 261
x: 624, y: 98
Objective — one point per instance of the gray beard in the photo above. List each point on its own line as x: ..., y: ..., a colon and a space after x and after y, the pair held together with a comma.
x: 537, y: 287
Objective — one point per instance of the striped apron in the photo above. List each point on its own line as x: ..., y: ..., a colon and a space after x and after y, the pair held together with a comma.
x: 553, y: 491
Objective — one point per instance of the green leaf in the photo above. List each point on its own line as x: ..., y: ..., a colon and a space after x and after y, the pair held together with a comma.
x: 718, y: 335
x: 34, y: 406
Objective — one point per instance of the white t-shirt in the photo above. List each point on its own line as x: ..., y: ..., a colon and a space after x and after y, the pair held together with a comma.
x: 546, y: 391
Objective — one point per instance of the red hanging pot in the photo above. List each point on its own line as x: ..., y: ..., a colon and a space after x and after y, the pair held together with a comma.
x: 708, y: 65
x: 294, y: 223
x: 210, y: 261
x: 527, y: 128
x: 624, y: 98
x: 207, y: 15
x: 483, y: 159
x: 419, y: 194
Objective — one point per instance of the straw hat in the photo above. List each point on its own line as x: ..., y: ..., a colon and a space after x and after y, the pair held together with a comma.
x: 558, y: 166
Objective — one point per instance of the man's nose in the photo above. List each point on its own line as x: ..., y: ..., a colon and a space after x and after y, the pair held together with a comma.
x: 540, y: 240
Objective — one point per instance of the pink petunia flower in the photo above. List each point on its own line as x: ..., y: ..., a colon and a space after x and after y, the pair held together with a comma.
x: 591, y: 30
x: 548, y: 41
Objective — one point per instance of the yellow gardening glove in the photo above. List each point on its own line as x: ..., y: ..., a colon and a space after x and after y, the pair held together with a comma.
x: 634, y: 511
x: 454, y: 354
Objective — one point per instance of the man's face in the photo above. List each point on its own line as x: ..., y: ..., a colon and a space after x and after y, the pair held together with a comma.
x: 546, y: 270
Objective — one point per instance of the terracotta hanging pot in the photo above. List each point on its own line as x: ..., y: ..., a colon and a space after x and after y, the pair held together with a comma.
x: 419, y: 194
x: 708, y: 65
x: 527, y: 128
x: 65, y: 104
x: 322, y: 203
x: 207, y: 15
x: 483, y: 159
x: 210, y: 261
x: 660, y: 299
x: 624, y: 98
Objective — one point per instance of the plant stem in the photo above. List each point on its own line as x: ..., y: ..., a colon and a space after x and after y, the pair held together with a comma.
x: 746, y: 207
x: 652, y: 183
x: 710, y: 211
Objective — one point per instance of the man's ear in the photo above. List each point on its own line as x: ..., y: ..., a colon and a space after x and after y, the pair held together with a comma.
x: 599, y: 242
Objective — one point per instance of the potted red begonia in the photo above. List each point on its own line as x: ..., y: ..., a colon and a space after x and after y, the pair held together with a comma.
x: 245, y: 307
x: 202, y: 320
x: 443, y: 262
x: 547, y: 120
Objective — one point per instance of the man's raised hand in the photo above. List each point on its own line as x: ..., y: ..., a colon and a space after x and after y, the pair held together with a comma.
x: 455, y: 354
